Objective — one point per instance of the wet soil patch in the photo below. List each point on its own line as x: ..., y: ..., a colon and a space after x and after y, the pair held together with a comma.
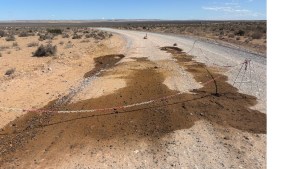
x: 104, y: 62
x: 227, y: 107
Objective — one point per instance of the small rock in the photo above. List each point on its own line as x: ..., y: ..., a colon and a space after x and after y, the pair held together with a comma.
x: 10, y: 71
x: 246, y: 137
x: 226, y: 138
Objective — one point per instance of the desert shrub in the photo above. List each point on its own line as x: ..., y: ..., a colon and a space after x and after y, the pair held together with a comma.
x: 48, y: 50
x: 2, y: 33
x: 261, y: 29
x: 61, y: 42
x: 247, y: 40
x: 69, y: 45
x: 49, y: 41
x: 85, y: 41
x: 32, y: 44
x: 10, y: 38
x: 3, y: 48
x: 55, y: 31
x: 65, y: 35
x: 240, y: 33
x: 101, y: 35
x: 76, y: 36
x: 10, y: 71
x: 0, y: 55
x: 237, y: 38
x: 23, y: 34
x: 256, y: 35
x: 45, y: 37
x: 90, y: 35
x: 231, y: 35
x: 15, y: 44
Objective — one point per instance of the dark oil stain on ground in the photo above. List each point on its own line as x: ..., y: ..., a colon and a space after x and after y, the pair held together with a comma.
x: 104, y: 62
x: 152, y: 121
x: 229, y: 107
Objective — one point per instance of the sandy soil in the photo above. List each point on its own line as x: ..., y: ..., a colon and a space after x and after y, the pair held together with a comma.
x: 35, y: 81
x: 197, y: 129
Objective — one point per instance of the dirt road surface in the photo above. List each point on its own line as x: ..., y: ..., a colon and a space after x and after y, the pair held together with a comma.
x: 194, y: 127
x: 208, y: 52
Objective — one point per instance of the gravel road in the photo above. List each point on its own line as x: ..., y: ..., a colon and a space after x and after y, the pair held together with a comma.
x: 197, y: 129
x: 212, y: 54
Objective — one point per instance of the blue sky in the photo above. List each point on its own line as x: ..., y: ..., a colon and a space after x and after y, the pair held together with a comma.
x: 132, y: 9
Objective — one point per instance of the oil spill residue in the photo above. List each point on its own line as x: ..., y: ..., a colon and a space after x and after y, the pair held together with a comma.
x: 146, y: 122
x: 128, y: 127
x: 104, y: 62
x: 229, y: 107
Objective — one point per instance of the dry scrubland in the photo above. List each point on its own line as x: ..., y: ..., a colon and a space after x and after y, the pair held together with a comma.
x: 77, y: 68
x: 41, y: 64
x: 250, y: 35
x: 23, y: 43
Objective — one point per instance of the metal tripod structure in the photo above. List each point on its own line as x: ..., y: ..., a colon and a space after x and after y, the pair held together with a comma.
x: 246, y: 69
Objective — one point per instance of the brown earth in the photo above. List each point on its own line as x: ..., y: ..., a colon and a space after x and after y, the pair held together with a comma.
x: 41, y: 140
x: 35, y: 80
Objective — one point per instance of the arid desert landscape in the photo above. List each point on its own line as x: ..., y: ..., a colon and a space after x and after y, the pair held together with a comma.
x: 133, y: 95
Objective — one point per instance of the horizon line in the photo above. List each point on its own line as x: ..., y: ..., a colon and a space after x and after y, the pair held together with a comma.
x: 95, y: 20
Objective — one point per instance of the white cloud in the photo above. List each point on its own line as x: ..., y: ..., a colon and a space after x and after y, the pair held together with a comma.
x: 225, y: 9
x: 233, y: 9
x: 232, y: 3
